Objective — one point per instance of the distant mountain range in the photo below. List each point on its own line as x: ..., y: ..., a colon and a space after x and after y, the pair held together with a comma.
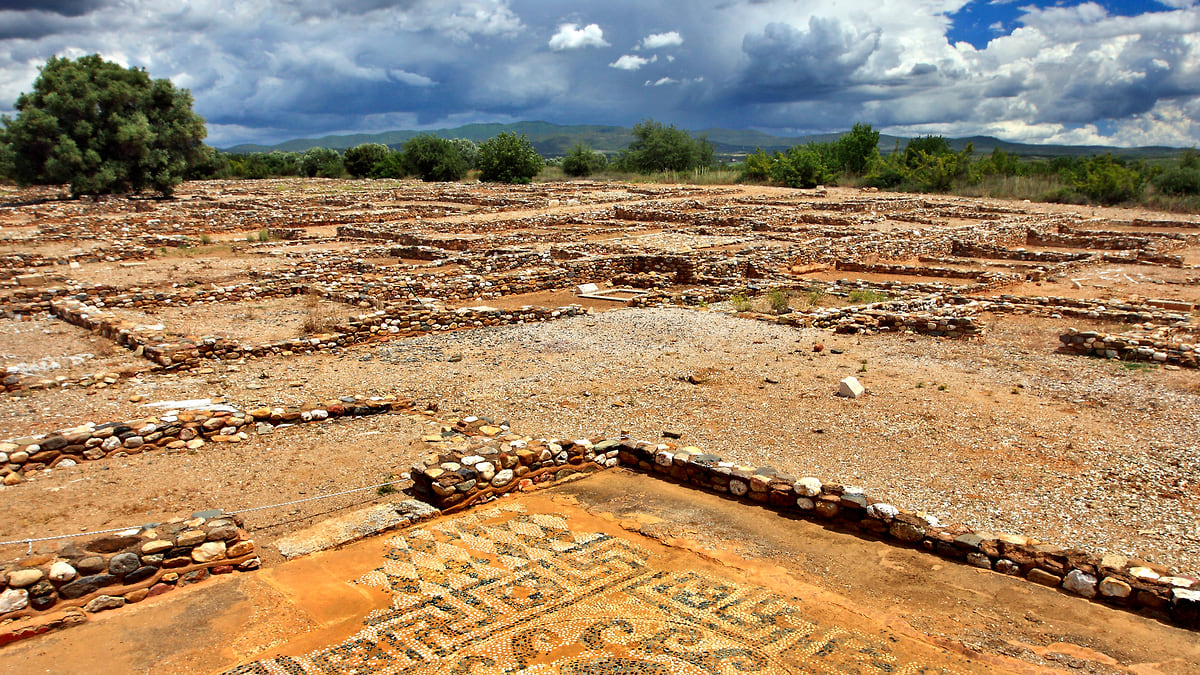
x: 554, y: 140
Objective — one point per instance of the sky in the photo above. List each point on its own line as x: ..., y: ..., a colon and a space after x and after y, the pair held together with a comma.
x: 1109, y: 72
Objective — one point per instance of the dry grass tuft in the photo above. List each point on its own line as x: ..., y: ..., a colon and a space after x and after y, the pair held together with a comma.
x: 319, y: 317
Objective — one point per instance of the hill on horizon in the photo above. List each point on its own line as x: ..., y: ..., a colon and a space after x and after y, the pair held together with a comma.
x: 554, y: 140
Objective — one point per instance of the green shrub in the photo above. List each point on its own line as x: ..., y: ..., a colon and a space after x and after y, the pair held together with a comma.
x: 1179, y: 182
x: 939, y: 172
x: 778, y: 300
x: 360, y: 159
x: 885, y: 176
x: 814, y: 295
x: 265, y: 164
x: 1108, y: 181
x: 582, y: 160
x: 1063, y: 195
x: 508, y: 158
x: 322, y: 162
x: 658, y: 148
x: 740, y: 303
x: 866, y: 296
x: 205, y: 239
x: 803, y: 166
x: 758, y: 166
x: 468, y: 150
x: 925, y: 145
x: 433, y: 159
x: 391, y: 166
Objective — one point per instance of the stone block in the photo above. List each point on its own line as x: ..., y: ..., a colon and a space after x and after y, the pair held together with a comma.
x: 851, y: 388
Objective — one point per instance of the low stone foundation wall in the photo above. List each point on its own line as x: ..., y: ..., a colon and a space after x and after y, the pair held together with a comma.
x: 123, y: 568
x: 401, y: 320
x: 909, y: 270
x: 186, y: 430
x: 478, y: 470
x: 1110, y: 579
x: 936, y: 325
x: 1131, y: 347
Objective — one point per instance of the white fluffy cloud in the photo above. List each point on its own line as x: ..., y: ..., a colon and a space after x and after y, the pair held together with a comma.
x: 661, y: 40
x: 631, y: 62
x: 571, y: 36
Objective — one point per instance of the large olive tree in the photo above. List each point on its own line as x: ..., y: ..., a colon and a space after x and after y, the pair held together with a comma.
x: 102, y: 128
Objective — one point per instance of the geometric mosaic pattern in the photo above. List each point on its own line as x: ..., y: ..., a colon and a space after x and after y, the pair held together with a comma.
x: 499, y: 590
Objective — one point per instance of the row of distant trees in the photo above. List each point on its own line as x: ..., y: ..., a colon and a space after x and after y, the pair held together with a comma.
x: 930, y: 164
x: 506, y: 157
x: 655, y: 148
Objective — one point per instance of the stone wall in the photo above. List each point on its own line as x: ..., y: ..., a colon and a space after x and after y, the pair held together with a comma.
x: 908, y: 270
x: 1110, y: 579
x: 186, y: 430
x: 1093, y: 242
x: 1131, y: 347
x: 476, y: 461
x: 401, y: 320
x: 1121, y: 311
x: 123, y: 568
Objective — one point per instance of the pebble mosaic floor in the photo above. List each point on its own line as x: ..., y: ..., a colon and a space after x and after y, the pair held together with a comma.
x: 501, y: 590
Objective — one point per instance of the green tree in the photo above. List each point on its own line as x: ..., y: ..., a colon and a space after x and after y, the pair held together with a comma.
x: 929, y: 145
x: 265, y: 164
x: 508, y: 158
x: 1109, y: 181
x: 664, y: 148
x: 360, y: 159
x: 855, y: 149
x: 939, y: 171
x: 322, y: 162
x: 582, y: 160
x: 433, y: 159
x: 1000, y: 163
x: 391, y: 166
x: 102, y: 129
x: 468, y: 150
x: 209, y: 164
x: 804, y: 166
x: 758, y: 166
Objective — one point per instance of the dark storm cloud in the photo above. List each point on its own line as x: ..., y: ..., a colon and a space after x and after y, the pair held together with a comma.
x: 1148, y: 70
x: 267, y: 70
x: 787, y: 63
x: 30, y: 20
x: 63, y: 7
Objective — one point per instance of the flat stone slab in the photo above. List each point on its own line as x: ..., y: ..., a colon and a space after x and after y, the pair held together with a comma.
x: 353, y: 526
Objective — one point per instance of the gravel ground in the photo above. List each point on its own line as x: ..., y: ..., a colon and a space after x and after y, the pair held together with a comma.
x: 991, y: 434
x: 1001, y: 434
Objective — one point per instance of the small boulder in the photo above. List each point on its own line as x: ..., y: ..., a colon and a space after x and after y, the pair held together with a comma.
x: 13, y: 599
x: 104, y: 602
